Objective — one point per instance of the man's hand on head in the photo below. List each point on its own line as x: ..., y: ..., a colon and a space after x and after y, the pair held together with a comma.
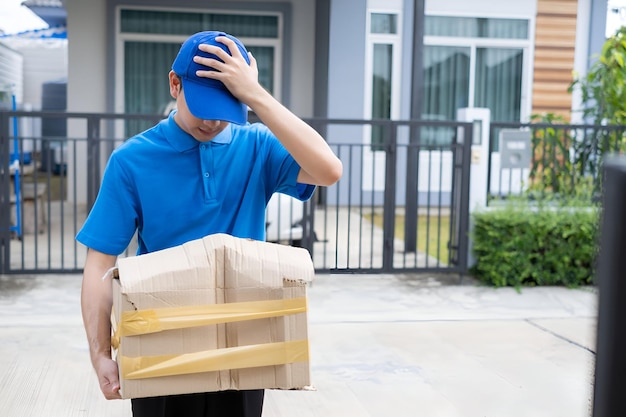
x: 241, y: 79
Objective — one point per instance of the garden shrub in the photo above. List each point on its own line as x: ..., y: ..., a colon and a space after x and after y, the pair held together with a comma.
x: 527, y: 246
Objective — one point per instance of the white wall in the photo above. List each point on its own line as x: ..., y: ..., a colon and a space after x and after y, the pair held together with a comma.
x: 44, y: 60
x: 581, y: 55
x: 86, y: 89
x: 303, y: 59
x: 86, y: 86
x: 11, y: 78
x: 525, y: 8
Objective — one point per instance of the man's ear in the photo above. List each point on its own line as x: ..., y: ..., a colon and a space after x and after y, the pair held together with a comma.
x: 175, y: 85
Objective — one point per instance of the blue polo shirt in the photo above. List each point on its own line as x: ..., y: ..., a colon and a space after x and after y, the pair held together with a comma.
x: 171, y: 188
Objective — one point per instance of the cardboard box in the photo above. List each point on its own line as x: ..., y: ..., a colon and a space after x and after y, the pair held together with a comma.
x: 213, y: 314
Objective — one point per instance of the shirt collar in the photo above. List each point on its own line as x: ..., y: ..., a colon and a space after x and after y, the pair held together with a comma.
x: 225, y: 136
x: 183, y: 141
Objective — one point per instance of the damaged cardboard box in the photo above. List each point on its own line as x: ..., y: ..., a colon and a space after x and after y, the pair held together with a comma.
x: 213, y: 314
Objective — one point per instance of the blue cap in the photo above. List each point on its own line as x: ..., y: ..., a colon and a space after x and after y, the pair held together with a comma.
x: 206, y: 98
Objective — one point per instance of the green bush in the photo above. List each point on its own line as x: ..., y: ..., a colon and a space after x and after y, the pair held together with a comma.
x: 523, y: 246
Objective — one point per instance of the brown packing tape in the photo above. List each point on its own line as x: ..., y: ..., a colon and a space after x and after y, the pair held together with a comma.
x: 266, y: 354
x: 133, y: 323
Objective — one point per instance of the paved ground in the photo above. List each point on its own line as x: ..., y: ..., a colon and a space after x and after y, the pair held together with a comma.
x: 382, y: 345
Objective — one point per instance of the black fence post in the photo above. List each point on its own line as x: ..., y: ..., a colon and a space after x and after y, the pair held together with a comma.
x: 464, y: 196
x: 93, y: 159
x: 417, y: 96
x: 5, y: 195
x: 610, y: 376
x: 389, y: 214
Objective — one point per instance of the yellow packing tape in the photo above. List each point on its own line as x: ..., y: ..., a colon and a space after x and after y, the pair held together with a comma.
x: 133, y: 323
x: 266, y: 354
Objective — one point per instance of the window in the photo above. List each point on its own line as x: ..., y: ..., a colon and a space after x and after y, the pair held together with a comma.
x: 381, y: 90
x: 187, y: 23
x: 382, y: 73
x: 498, y: 82
x: 384, y: 23
x: 150, y: 39
x: 477, y: 62
x: 475, y: 27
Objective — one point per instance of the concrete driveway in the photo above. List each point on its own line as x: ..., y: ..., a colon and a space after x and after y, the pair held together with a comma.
x: 381, y: 345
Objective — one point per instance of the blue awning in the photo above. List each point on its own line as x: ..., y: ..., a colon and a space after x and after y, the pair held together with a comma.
x: 57, y: 32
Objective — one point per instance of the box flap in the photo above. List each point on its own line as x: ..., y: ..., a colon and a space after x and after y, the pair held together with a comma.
x: 217, y: 261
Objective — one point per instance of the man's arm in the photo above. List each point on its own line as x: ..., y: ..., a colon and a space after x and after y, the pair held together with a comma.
x: 96, y: 303
x: 319, y: 165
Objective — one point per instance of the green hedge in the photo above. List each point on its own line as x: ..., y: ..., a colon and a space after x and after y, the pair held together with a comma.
x: 519, y: 246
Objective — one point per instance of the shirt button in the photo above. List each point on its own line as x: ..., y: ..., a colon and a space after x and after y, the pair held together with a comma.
x: 203, y: 147
x: 206, y: 175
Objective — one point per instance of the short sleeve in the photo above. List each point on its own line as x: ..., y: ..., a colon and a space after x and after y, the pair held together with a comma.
x: 283, y: 170
x: 113, y: 219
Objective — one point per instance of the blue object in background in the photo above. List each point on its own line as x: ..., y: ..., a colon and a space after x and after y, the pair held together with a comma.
x: 15, y: 167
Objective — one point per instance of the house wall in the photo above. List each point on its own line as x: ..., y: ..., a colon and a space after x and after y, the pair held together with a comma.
x: 347, y: 46
x: 482, y: 7
x: 347, y: 89
x: 346, y: 75
x: 555, y: 48
x: 87, y: 57
x: 567, y: 34
x: 11, y: 82
x: 43, y: 60
x: 92, y: 51
x: 92, y: 56
x: 590, y: 38
x: 40, y: 61
x: 88, y: 29
x: 87, y: 74
x: 585, y: 42
x: 497, y: 9
x: 11, y: 76
x: 564, y: 34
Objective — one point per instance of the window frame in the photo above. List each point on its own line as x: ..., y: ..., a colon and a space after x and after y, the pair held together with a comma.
x: 474, y: 43
x: 372, y: 39
x: 121, y: 38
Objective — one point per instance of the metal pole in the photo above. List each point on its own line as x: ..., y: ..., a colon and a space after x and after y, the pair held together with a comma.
x: 93, y: 158
x: 610, y: 376
x: 417, y: 94
x: 389, y: 214
x: 5, y: 199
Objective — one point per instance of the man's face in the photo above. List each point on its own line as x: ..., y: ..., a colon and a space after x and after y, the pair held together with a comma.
x: 201, y: 130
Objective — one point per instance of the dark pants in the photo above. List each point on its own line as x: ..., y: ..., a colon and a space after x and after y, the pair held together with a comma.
x: 210, y: 404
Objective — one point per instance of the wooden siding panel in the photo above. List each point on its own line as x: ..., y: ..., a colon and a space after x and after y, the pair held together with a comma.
x: 555, y: 64
x: 557, y: 87
x: 542, y: 75
x: 555, y: 42
x: 562, y: 22
x: 553, y: 54
x: 557, y: 7
x: 549, y: 34
x: 554, y: 98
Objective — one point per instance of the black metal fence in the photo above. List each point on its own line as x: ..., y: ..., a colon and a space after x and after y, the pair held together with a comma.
x: 565, y: 160
x: 401, y: 205
x: 367, y: 222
